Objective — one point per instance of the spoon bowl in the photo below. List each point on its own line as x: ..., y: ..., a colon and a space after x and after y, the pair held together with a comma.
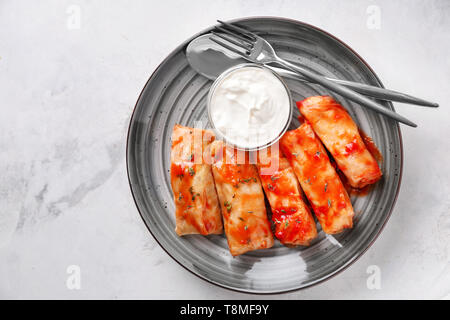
x: 210, y: 59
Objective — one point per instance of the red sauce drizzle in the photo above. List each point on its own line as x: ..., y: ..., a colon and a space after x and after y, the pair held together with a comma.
x: 353, y: 147
x: 370, y: 145
x: 288, y: 226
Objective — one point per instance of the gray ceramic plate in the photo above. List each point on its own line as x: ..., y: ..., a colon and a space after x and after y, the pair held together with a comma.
x: 175, y: 93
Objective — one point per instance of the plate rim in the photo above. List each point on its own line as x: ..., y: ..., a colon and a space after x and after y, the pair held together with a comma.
x: 350, y: 261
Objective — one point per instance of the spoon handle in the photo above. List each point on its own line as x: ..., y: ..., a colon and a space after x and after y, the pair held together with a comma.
x: 345, y: 92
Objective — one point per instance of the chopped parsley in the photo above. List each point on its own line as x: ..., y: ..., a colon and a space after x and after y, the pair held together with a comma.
x: 329, y: 203
x: 191, y: 171
x: 191, y: 157
x: 274, y: 178
x: 245, y: 228
x: 191, y: 190
x: 227, y: 205
x: 242, y: 219
x: 270, y: 187
x: 286, y: 224
x: 282, y: 210
x: 326, y: 186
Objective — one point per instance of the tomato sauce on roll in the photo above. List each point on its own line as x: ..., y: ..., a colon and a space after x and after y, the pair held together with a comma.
x: 293, y: 221
x: 318, y: 179
x: 241, y: 198
x: 197, y: 209
x: 340, y: 135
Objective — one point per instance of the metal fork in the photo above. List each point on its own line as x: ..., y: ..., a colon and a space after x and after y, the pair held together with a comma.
x: 257, y: 50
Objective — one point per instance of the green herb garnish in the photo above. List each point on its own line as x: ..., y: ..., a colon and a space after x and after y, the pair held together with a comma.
x: 227, y: 205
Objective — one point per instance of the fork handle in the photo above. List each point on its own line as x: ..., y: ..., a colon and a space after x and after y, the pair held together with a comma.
x: 345, y: 92
x: 365, y: 89
x: 384, y: 94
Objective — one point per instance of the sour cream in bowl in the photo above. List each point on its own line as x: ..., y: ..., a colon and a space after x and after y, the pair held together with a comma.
x: 249, y: 106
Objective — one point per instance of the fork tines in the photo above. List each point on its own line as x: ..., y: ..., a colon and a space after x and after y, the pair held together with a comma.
x: 239, y: 30
x: 234, y: 36
x: 227, y: 46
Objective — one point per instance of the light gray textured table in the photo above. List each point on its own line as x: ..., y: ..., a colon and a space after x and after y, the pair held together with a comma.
x: 70, y: 74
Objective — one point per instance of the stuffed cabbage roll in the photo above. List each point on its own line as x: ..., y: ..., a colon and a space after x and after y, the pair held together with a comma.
x: 196, y: 202
x: 241, y: 198
x: 339, y: 133
x: 294, y: 223
x: 318, y: 179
